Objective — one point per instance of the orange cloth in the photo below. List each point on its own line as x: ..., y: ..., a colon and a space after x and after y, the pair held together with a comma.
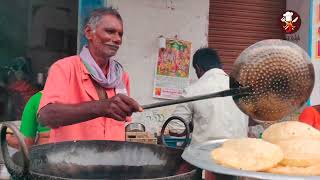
x: 311, y: 116
x: 69, y: 82
x: 209, y: 176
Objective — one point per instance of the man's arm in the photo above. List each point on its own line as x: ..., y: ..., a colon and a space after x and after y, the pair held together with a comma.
x: 118, y: 107
x: 55, y: 109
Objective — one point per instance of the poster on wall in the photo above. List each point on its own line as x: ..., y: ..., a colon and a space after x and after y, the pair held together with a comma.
x: 314, y: 50
x: 315, y: 30
x: 172, y: 69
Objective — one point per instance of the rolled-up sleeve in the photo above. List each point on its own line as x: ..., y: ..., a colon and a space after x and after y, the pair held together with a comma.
x: 56, y: 87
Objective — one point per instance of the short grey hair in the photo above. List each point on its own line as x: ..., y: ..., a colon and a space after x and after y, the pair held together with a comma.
x: 97, y: 14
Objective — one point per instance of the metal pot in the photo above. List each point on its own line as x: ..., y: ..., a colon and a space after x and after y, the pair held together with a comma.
x: 95, y: 160
x: 135, y: 127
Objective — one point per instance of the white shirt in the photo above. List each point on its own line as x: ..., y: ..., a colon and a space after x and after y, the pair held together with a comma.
x: 213, y: 118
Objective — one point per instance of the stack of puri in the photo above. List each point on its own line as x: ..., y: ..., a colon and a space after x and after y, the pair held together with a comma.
x: 300, y: 144
x: 291, y: 148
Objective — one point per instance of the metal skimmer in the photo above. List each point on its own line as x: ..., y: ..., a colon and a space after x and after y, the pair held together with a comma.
x: 280, y: 75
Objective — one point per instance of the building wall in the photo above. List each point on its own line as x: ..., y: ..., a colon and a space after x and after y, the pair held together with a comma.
x: 85, y: 7
x: 301, y: 37
x: 51, y: 18
x: 13, y: 30
x: 144, y: 22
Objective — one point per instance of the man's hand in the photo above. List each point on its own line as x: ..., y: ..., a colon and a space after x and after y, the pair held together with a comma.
x: 119, y: 107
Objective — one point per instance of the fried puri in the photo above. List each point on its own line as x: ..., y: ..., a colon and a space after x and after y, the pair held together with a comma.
x: 248, y: 154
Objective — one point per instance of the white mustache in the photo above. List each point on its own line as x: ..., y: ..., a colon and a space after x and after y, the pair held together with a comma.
x: 112, y: 45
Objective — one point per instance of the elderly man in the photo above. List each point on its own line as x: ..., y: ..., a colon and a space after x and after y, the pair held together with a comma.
x: 86, y: 97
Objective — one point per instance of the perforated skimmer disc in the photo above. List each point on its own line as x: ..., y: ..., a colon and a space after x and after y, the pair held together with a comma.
x: 280, y: 75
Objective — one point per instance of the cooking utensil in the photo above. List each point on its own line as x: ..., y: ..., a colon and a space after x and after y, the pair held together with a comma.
x: 280, y: 75
x: 200, y: 156
x: 135, y: 127
x: 278, y: 78
x: 230, y: 92
x: 95, y: 160
x: 269, y: 80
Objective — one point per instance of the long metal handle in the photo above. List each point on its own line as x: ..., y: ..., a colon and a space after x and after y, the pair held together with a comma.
x: 229, y: 92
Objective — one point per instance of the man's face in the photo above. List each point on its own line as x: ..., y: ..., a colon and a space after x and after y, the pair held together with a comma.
x: 107, y: 37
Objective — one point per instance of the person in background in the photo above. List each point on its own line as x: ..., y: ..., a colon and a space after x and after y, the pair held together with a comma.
x: 18, y: 86
x: 311, y: 116
x: 33, y: 132
x: 215, y: 118
x: 86, y: 96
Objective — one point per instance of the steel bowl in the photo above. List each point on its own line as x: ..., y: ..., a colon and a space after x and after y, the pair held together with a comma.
x: 135, y: 127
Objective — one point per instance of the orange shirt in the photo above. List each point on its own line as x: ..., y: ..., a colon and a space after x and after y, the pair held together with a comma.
x: 69, y: 82
x: 311, y: 116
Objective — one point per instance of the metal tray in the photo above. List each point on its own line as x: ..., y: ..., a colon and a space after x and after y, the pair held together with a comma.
x: 199, y: 156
